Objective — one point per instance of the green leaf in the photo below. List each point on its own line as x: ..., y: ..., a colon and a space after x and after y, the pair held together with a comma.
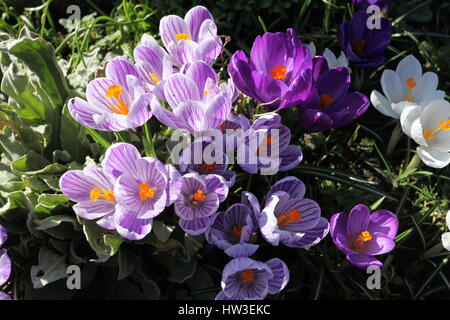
x: 162, y: 231
x: 73, y: 137
x: 51, y: 268
x: 34, y: 164
x: 103, y: 242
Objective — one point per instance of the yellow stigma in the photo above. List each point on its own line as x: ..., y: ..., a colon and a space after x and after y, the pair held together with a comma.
x: 362, y: 237
x: 248, y: 275
x: 289, y: 217
x: 96, y: 193
x: 197, y: 197
x: 154, y: 78
x: 411, y: 84
x: 279, y: 72
x: 182, y: 36
x: 146, y: 192
x: 115, y: 92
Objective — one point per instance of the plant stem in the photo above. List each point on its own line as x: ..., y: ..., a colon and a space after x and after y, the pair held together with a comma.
x: 414, y: 163
x: 395, y: 138
x: 149, y: 146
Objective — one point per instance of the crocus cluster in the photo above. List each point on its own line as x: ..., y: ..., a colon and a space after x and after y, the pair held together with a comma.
x: 412, y: 96
x: 5, y: 263
x: 125, y: 193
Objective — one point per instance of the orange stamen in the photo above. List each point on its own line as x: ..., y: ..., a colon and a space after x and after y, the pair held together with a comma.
x: 358, y: 47
x: 208, y: 168
x: 183, y: 36
x: 104, y: 193
x: 326, y: 100
x: 237, y: 231
x: 146, y: 192
x: 114, y: 92
x: 430, y: 134
x: 362, y: 237
x: 248, y: 275
x: 279, y: 72
x: 411, y: 84
x: 289, y: 217
x: 197, y: 197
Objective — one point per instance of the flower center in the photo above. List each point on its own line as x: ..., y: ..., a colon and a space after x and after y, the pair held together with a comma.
x: 431, y: 134
x: 411, y: 84
x: 326, y: 100
x: 182, y: 36
x: 289, y: 217
x: 268, y: 141
x: 362, y: 237
x: 114, y: 92
x: 154, y: 78
x: 358, y: 47
x: 208, y: 168
x: 222, y: 127
x: 197, y: 197
x: 96, y: 193
x: 279, y: 72
x: 237, y: 231
x: 248, y: 275
x: 146, y: 192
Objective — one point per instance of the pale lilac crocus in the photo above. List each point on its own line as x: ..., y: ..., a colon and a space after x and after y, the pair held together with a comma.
x: 5, y: 263
x: 192, y: 38
x: 197, y: 102
x: 114, y: 103
x: 246, y: 279
x: 199, y: 200
x: 144, y: 187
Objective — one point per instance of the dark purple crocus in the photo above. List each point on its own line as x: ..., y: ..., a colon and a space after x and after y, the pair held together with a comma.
x: 199, y: 200
x: 361, y: 235
x: 278, y: 73
x: 266, y: 147
x: 364, y: 4
x: 246, y: 279
x: 364, y: 46
x: 232, y: 227
x: 5, y: 264
x: 330, y: 104
x: 290, y: 218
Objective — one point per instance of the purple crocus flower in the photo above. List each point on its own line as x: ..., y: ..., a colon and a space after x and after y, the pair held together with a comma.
x: 364, y: 4
x: 364, y: 46
x: 93, y: 190
x: 278, y: 73
x: 114, y: 103
x: 144, y: 187
x: 265, y: 146
x: 153, y: 64
x: 5, y: 263
x: 246, y: 279
x: 199, y: 200
x: 192, y: 38
x: 235, y: 226
x: 194, y: 158
x: 291, y: 219
x: 361, y: 235
x: 198, y: 104
x: 330, y: 104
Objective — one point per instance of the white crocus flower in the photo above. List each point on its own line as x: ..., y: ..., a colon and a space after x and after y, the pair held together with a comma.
x: 430, y: 129
x: 404, y: 87
x: 331, y: 58
x: 446, y: 235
